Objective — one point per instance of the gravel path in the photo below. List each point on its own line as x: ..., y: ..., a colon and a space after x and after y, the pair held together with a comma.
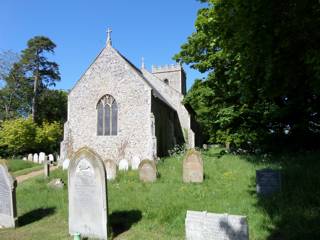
x: 33, y: 174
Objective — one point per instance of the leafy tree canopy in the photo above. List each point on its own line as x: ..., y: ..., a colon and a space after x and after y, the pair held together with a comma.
x: 262, y: 60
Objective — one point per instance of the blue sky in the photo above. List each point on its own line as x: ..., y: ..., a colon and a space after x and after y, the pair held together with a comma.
x: 148, y: 28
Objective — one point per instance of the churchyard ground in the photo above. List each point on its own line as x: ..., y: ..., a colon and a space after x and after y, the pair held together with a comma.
x: 157, y: 210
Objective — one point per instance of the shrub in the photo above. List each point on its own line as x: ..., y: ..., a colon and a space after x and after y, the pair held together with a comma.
x: 22, y: 135
x: 48, y: 136
x: 17, y: 136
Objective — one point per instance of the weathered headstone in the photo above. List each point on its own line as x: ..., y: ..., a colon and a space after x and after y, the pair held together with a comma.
x: 30, y: 157
x: 65, y: 164
x: 24, y: 158
x: 268, y: 181
x: 123, y: 165
x: 135, y: 161
x: 147, y: 171
x: 51, y: 158
x: 87, y: 186
x: 8, y: 208
x: 211, y: 226
x: 35, y: 158
x: 42, y: 157
x: 193, y: 167
x: 205, y: 146
x: 111, y: 169
x: 46, y: 166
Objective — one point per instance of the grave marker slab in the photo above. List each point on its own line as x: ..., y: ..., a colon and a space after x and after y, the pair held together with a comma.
x: 111, y: 169
x: 35, y: 158
x: 46, y: 165
x: 211, y: 226
x: 147, y: 171
x: 87, y: 186
x: 268, y: 181
x: 193, y: 167
x: 8, y: 208
x: 42, y: 157
x: 123, y: 165
x: 135, y: 161
x: 51, y: 158
x: 30, y: 157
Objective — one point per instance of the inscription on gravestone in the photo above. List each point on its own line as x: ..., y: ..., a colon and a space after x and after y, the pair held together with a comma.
x: 8, y: 210
x: 211, y: 226
x: 268, y: 181
x: 87, y: 195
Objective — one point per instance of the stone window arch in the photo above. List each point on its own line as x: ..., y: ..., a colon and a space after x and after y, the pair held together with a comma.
x: 107, y: 116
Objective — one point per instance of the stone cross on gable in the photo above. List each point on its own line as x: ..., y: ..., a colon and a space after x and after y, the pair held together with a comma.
x: 109, y: 43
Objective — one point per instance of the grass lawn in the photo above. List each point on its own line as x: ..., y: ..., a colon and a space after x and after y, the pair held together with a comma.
x: 19, y: 167
x: 157, y: 211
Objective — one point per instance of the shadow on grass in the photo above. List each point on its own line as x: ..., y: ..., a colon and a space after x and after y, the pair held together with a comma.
x: 35, y: 215
x: 121, y: 221
x: 295, y: 211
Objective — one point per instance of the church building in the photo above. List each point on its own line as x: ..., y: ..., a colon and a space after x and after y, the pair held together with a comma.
x: 122, y: 112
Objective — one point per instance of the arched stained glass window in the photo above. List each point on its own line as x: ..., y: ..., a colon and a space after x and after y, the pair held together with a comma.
x: 107, y: 119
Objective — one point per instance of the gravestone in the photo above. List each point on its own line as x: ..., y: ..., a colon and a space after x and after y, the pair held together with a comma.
x: 30, y: 157
x: 135, y: 161
x: 42, y: 157
x: 147, y: 171
x: 65, y: 164
x: 193, y: 167
x: 51, y: 158
x: 211, y: 226
x: 46, y: 166
x: 24, y: 158
x: 268, y: 181
x: 87, y: 188
x: 35, y: 158
x: 123, y: 165
x: 111, y: 169
x: 8, y: 208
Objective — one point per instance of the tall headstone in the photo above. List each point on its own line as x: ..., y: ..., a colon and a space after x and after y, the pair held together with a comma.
x: 42, y: 157
x: 193, y: 167
x: 30, y: 157
x: 46, y: 166
x: 35, y: 158
x: 135, y: 161
x: 211, y: 226
x: 268, y: 181
x: 147, y: 171
x: 8, y: 208
x: 123, y: 165
x: 111, y: 169
x: 87, y: 188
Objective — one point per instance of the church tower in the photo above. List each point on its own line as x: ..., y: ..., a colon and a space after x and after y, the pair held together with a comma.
x: 173, y: 75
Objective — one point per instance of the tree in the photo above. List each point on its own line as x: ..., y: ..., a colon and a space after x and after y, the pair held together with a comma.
x: 262, y: 60
x: 52, y: 106
x: 37, y: 67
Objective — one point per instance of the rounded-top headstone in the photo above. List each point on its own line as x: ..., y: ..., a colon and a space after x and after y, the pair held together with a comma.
x: 123, y: 165
x: 111, y: 169
x: 42, y: 157
x: 35, y: 158
x: 8, y: 209
x: 24, y: 158
x: 135, y: 161
x: 51, y: 158
x: 147, y: 171
x: 193, y: 167
x: 65, y: 164
x: 30, y: 157
x: 87, y: 191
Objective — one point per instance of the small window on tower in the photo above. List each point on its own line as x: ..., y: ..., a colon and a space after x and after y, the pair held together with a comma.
x: 166, y: 81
